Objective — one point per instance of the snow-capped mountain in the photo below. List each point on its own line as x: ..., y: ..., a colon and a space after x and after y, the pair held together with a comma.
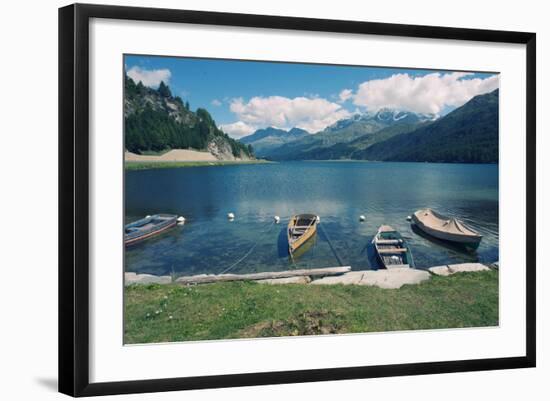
x: 358, y: 131
x: 385, y: 116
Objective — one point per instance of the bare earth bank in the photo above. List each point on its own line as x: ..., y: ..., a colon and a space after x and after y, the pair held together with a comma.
x: 174, y: 155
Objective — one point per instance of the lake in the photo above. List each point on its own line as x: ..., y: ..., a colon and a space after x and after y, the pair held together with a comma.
x: 339, y: 192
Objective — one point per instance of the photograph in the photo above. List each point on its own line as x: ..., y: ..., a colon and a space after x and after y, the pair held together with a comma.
x: 269, y: 199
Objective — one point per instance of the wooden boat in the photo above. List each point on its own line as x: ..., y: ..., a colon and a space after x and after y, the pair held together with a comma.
x: 148, y: 227
x: 446, y: 228
x: 391, y: 248
x: 305, y: 248
x: 300, y: 228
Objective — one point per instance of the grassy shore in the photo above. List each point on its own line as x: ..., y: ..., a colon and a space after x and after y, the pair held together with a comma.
x: 139, y: 165
x: 164, y: 313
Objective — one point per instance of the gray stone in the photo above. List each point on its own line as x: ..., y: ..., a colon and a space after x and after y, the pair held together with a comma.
x: 347, y: 278
x: 391, y: 279
x: 133, y: 278
x: 286, y: 280
x: 394, y: 278
x: 440, y: 270
x: 467, y: 267
x: 458, y: 268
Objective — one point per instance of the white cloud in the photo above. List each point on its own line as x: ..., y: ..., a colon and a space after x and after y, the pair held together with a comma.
x: 310, y: 114
x: 427, y: 94
x: 345, y: 94
x: 150, y: 78
x: 237, y: 129
x: 216, y: 103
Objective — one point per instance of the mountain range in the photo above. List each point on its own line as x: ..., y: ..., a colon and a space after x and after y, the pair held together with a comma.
x: 334, y: 138
x: 467, y: 134
x: 266, y: 139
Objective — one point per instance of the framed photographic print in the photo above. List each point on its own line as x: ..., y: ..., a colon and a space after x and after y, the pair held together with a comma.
x: 249, y: 199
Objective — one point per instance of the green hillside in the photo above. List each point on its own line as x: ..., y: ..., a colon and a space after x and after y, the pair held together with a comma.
x: 342, y: 139
x: 264, y: 140
x: 355, y: 148
x: 468, y: 134
x: 155, y: 120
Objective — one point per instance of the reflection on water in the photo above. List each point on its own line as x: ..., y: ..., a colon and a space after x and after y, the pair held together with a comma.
x: 339, y: 192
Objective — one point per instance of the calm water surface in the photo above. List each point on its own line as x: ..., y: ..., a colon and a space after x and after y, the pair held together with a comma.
x: 339, y: 192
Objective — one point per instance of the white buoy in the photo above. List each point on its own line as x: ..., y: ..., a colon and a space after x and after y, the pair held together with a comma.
x: 318, y: 219
x: 230, y: 216
x: 409, y: 218
x: 362, y: 218
x: 181, y: 220
x: 148, y: 216
x: 277, y: 219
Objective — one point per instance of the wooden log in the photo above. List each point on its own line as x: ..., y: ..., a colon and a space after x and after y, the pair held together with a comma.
x: 214, y: 278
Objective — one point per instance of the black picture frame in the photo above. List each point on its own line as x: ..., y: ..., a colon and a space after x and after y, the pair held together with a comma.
x: 74, y: 198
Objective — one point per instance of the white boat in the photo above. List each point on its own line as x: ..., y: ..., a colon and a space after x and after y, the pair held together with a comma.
x: 446, y: 228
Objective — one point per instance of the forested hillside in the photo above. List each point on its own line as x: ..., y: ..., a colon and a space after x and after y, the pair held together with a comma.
x: 341, y: 139
x: 155, y: 120
x: 468, y: 134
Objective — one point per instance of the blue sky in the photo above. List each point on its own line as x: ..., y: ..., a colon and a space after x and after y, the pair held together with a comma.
x: 243, y: 96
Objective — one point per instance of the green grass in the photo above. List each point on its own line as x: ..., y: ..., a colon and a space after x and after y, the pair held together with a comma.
x: 163, y: 313
x: 139, y: 165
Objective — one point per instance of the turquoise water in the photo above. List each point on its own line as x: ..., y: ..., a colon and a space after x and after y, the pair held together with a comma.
x: 339, y: 192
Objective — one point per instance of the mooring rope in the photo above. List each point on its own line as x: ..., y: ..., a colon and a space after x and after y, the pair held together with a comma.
x: 250, y: 250
x: 331, y: 247
x: 292, y: 260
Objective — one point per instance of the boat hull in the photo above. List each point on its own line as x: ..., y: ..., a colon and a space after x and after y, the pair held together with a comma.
x: 392, y: 250
x: 295, y: 243
x: 149, y: 227
x: 468, y: 241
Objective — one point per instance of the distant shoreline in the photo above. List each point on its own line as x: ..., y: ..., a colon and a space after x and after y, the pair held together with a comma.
x: 176, y: 158
x: 375, y: 161
x: 149, y: 165
x: 191, y: 158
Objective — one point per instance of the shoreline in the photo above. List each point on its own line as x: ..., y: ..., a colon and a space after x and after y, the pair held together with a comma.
x: 384, y: 161
x: 131, y: 165
x: 149, y: 165
x: 382, y: 278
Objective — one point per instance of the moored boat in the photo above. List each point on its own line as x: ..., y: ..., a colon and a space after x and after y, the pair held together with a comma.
x: 446, y: 228
x: 391, y: 248
x: 301, y: 228
x: 147, y: 227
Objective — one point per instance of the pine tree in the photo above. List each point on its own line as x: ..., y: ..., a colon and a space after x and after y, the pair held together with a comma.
x: 164, y: 90
x: 149, y: 128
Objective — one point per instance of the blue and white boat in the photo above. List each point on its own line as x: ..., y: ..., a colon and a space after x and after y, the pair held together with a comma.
x: 391, y: 248
x: 147, y: 227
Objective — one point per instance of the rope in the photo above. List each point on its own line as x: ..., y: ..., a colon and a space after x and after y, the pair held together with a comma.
x: 292, y: 260
x: 331, y: 247
x: 199, y: 229
x: 249, y: 251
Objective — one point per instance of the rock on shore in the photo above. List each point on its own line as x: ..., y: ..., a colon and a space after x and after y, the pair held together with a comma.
x: 286, y: 280
x: 391, y: 279
x: 133, y: 278
x: 447, y: 270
